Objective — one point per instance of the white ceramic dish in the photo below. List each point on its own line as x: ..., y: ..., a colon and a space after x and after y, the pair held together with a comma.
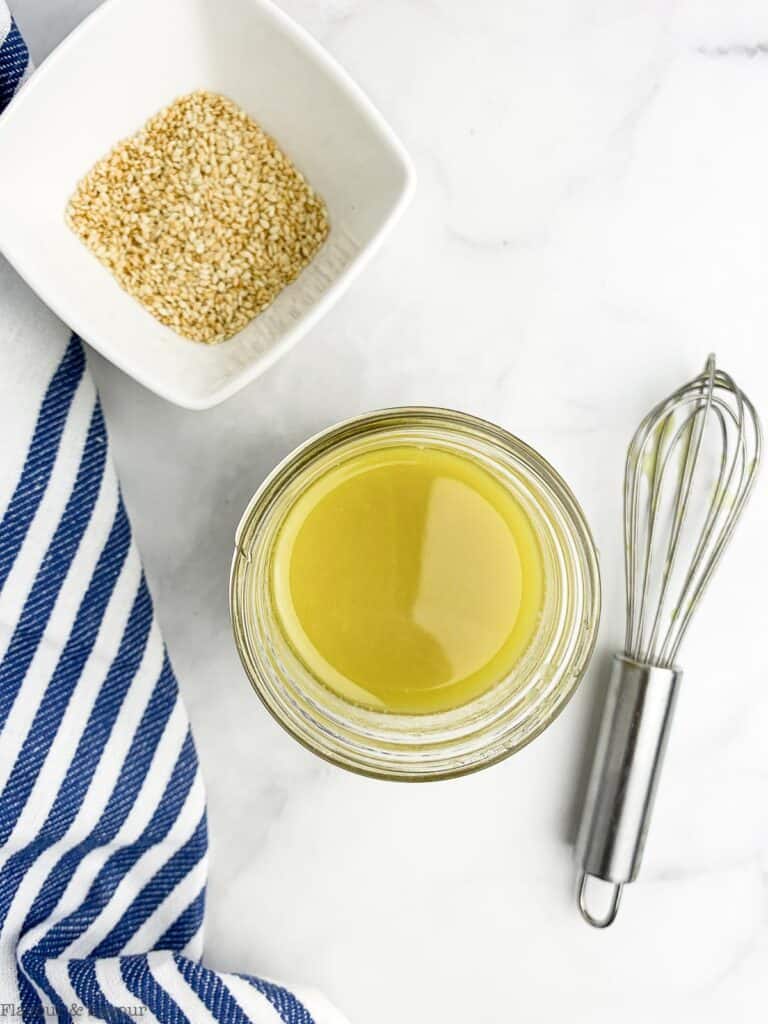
x: 123, y: 64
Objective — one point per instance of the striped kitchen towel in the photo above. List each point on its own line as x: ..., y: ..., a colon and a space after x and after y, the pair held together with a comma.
x: 102, y: 811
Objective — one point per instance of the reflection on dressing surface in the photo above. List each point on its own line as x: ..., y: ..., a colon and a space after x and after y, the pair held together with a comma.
x: 408, y: 579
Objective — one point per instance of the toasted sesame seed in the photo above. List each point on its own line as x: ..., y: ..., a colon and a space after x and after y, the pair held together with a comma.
x: 184, y: 210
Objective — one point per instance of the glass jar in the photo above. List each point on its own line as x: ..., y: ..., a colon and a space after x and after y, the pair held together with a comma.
x: 438, y: 745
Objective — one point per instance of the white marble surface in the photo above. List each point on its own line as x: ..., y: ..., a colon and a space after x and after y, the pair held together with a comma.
x: 591, y: 219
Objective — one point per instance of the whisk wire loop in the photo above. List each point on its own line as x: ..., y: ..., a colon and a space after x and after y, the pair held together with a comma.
x: 665, y: 472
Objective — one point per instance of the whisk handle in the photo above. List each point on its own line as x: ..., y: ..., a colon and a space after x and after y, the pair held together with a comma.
x: 634, y: 729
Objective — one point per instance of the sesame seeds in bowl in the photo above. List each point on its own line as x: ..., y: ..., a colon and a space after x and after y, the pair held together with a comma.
x: 200, y: 216
x: 76, y: 108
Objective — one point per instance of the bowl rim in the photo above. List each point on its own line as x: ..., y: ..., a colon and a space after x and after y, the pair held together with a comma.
x: 78, y: 322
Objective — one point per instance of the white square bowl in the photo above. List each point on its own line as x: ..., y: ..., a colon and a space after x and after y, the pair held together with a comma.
x: 124, y: 63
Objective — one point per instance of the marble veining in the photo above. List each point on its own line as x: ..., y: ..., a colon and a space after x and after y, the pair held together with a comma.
x: 590, y: 221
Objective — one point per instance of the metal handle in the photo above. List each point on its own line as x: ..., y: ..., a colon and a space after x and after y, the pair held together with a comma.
x: 625, y: 773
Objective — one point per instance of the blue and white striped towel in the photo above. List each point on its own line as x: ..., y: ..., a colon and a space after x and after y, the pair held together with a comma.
x: 102, y: 810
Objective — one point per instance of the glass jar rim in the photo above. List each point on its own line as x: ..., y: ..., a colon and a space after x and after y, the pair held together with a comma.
x: 418, y: 754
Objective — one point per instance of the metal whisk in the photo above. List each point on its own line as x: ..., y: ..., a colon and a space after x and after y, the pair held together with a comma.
x: 689, y: 471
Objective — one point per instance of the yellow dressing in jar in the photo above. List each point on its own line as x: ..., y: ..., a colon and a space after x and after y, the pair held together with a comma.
x: 408, y: 579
